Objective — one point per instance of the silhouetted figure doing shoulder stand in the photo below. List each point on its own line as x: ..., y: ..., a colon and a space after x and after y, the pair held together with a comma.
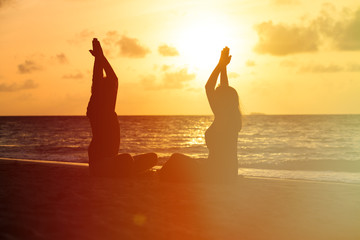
x: 221, y: 137
x: 104, y: 147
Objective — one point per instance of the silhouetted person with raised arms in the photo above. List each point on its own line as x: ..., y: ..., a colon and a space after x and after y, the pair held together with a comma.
x: 221, y: 137
x: 104, y: 147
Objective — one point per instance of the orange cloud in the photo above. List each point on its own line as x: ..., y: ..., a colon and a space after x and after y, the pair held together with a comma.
x: 281, y: 39
x: 61, y: 58
x: 110, y: 43
x: 177, y: 79
x: 84, y: 35
x: 130, y: 47
x: 354, y: 68
x: 73, y: 76
x: 111, y: 37
x: 318, y: 68
x: 348, y: 35
x: 3, y: 3
x: 331, y: 68
x: 28, y: 84
x: 28, y: 66
x: 170, y: 80
x: 233, y: 75
x: 165, y: 67
x: 250, y: 63
x: 168, y: 51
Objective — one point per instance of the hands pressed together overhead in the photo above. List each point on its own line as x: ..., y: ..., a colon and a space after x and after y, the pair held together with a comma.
x: 225, y: 58
x: 97, y: 50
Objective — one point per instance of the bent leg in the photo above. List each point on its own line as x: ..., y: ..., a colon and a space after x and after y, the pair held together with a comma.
x: 123, y: 166
x: 181, y: 168
x: 144, y: 162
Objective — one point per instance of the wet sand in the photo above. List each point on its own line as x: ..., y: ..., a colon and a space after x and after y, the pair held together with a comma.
x: 41, y: 200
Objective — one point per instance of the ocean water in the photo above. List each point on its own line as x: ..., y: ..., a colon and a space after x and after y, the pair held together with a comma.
x: 308, y: 147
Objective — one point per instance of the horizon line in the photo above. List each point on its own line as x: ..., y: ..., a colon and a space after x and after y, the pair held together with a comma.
x: 164, y: 115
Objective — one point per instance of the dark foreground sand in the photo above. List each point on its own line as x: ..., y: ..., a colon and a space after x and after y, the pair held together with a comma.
x: 60, y: 201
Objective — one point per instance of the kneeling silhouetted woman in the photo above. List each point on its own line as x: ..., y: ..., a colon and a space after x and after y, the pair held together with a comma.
x: 221, y: 137
x: 104, y: 159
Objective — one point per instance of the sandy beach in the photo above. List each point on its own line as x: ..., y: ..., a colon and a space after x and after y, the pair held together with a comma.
x: 41, y: 200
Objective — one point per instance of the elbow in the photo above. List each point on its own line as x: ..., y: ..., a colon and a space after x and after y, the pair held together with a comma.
x: 208, y: 86
x: 114, y: 78
x: 209, y: 89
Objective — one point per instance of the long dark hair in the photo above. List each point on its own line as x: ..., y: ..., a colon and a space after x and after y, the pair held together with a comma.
x: 228, y: 105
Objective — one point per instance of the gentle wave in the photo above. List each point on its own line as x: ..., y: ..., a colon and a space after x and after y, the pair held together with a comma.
x: 321, y: 176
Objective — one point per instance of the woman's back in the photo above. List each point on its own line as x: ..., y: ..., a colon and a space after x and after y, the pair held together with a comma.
x: 221, y: 140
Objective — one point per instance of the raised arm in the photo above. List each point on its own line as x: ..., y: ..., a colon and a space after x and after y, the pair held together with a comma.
x: 103, y: 63
x: 210, y: 87
x: 98, y: 67
x: 211, y: 83
x: 110, y: 74
x: 223, y: 74
x: 223, y: 77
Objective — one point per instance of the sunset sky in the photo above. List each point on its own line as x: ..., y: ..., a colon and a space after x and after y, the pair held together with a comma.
x: 289, y: 56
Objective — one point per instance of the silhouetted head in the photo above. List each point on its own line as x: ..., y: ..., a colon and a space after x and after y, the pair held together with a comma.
x: 227, y: 105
